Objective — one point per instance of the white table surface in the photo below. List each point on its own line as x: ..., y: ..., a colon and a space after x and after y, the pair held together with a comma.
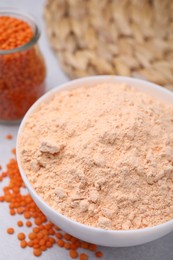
x: 161, y: 249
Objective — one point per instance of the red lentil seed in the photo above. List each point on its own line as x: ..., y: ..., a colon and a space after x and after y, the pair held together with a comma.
x: 84, y: 245
x: 73, y: 246
x: 92, y: 247
x: 12, y: 212
x: 31, y: 236
x: 35, y: 246
x: 73, y: 254
x: 4, y: 174
x: 49, y: 244
x: 9, y: 137
x: 27, y: 215
x: 21, y: 236
x: 83, y: 256
x: 28, y: 223
x: 59, y: 235
x: 10, y: 231
x: 43, y: 248
x: 30, y: 243
x: 67, y: 237
x: 37, y: 252
x: 20, y: 223
x: 23, y: 244
x: 60, y: 243
x: 2, y: 199
x: 42, y: 242
x: 99, y: 254
x: 35, y: 230
x: 67, y: 246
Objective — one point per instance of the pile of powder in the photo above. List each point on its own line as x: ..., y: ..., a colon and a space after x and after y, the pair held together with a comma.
x: 102, y: 155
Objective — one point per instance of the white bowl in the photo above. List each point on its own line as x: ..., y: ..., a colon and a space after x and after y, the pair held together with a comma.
x: 112, y: 238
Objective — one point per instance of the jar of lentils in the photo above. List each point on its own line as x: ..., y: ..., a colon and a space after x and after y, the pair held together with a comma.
x: 22, y: 66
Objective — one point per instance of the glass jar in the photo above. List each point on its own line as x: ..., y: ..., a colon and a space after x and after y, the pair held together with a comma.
x: 22, y: 74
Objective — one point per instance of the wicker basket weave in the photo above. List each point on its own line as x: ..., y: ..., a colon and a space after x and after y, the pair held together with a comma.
x: 118, y: 37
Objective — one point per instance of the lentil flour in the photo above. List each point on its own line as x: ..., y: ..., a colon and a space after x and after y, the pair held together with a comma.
x: 102, y: 155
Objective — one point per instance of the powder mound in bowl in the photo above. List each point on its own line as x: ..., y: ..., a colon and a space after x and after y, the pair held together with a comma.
x: 102, y: 155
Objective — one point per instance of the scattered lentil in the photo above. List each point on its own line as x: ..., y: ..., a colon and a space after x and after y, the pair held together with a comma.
x: 21, y: 236
x: 20, y: 223
x: 73, y: 254
x: 83, y: 257
x: 32, y: 236
x: 12, y: 212
x: 84, y: 245
x: 92, y: 247
x: 1, y: 198
x: 60, y: 243
x: 59, y: 235
x: 27, y: 215
x: 9, y: 137
x: 30, y: 243
x: 10, y: 231
x: 28, y: 223
x: 99, y: 254
x: 23, y: 244
x: 45, y: 234
x: 13, y: 151
x: 67, y: 246
x: 35, y: 229
x: 67, y: 237
x: 37, y: 252
x: 20, y: 210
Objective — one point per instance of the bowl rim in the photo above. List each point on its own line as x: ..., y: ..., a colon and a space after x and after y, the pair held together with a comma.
x: 62, y: 87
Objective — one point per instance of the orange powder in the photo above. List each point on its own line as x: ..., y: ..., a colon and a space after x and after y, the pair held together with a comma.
x: 102, y: 156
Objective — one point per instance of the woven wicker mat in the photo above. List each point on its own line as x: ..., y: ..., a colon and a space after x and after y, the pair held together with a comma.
x: 118, y: 37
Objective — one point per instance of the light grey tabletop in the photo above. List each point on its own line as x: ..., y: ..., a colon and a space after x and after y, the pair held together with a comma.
x: 161, y: 249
